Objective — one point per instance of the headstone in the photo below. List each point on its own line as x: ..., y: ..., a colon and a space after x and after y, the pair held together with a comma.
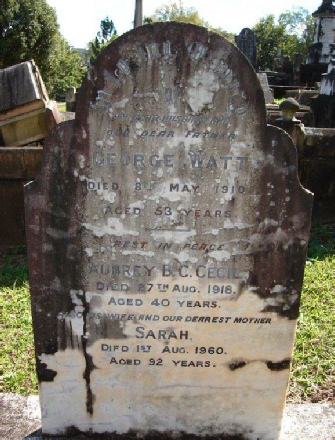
x: 323, y: 105
x: 268, y: 94
x: 21, y: 84
x: 306, y: 96
x: 298, y: 60
x: 277, y: 65
x: 167, y: 235
x: 326, y: 6
x: 328, y: 80
x: 321, y: 51
x: 247, y: 43
x: 71, y: 99
x: 26, y: 113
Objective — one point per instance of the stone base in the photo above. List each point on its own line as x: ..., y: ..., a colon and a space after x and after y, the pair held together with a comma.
x: 21, y: 420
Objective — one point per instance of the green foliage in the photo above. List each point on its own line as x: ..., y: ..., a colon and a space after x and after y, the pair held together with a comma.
x: 313, y: 373
x: 298, y: 22
x: 17, y: 365
x: 322, y: 242
x: 292, y: 34
x: 18, y: 360
x: 61, y: 107
x: 230, y: 37
x: 66, y: 68
x: 178, y: 12
x: 29, y: 30
x: 279, y: 100
x: 148, y: 20
x: 105, y: 36
x: 13, y: 267
x: 270, y: 40
x: 299, y: 27
x: 107, y: 30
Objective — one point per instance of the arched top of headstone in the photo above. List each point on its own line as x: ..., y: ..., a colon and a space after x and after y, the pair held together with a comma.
x: 247, y: 33
x: 145, y: 62
x: 326, y: 7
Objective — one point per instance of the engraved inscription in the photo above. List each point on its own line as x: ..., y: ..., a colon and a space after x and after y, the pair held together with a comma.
x: 169, y: 229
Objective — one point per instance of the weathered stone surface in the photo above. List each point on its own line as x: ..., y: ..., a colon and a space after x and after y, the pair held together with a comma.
x: 167, y: 236
x: 26, y: 113
x: 20, y: 415
x: 268, y: 94
x: 21, y: 84
x: 17, y: 167
x: 321, y: 50
x: 71, y: 99
x: 247, y: 43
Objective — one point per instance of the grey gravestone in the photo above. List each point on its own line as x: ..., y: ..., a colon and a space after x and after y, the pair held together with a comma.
x: 268, y: 94
x: 21, y: 84
x: 247, y: 43
x: 71, y: 99
x: 167, y: 235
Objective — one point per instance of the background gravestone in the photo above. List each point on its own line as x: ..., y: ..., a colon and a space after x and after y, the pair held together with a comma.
x: 268, y: 93
x: 167, y: 236
x: 247, y: 43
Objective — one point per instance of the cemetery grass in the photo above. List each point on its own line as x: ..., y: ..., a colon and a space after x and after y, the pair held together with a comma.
x: 61, y: 107
x: 17, y: 362
x: 312, y: 372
